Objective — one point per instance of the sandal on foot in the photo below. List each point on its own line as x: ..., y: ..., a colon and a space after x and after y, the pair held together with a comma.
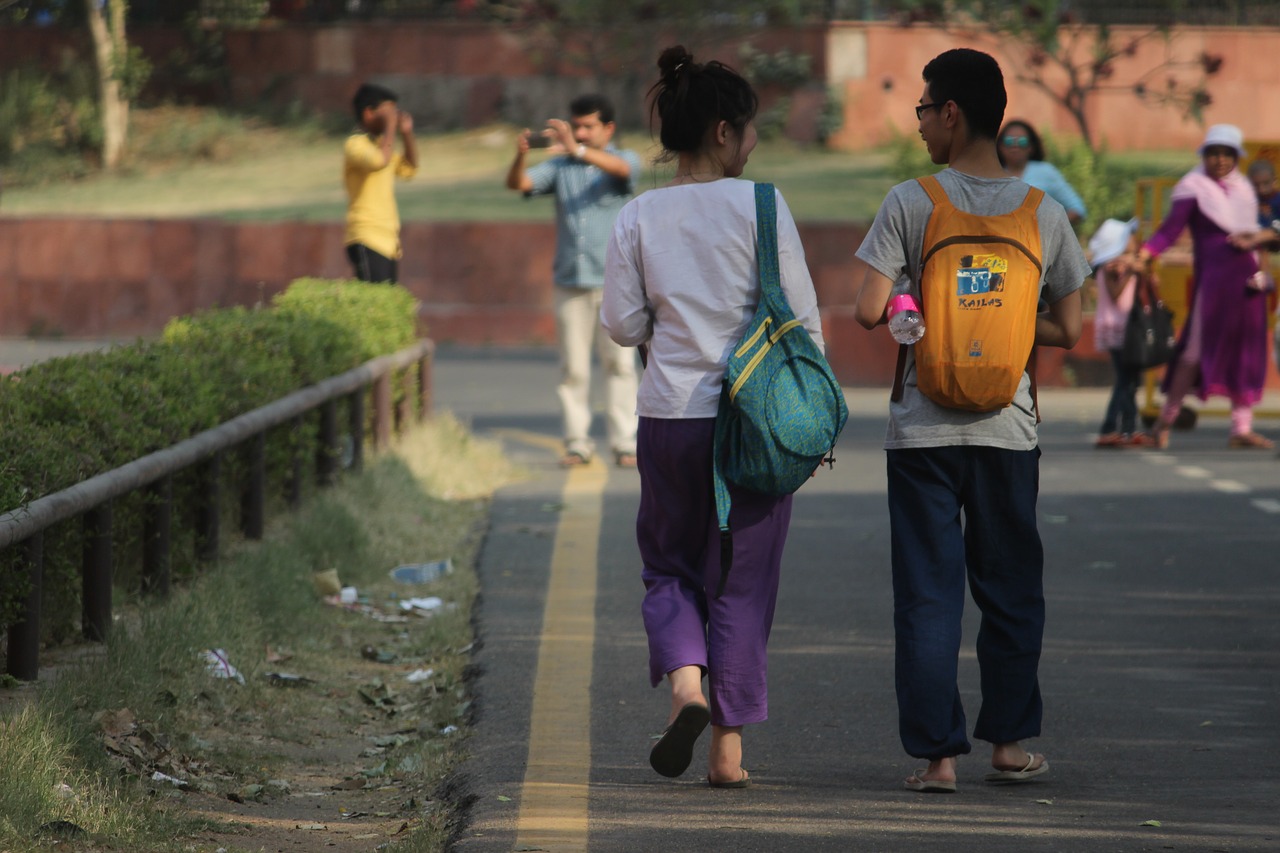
x: 673, y: 753
x: 1250, y: 440
x: 1029, y: 771
x: 916, y: 782
x: 624, y: 459
x: 575, y: 459
x: 1110, y: 439
x: 743, y: 781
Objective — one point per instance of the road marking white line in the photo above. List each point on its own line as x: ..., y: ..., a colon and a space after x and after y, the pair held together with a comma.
x: 1268, y: 505
x: 1194, y: 472
x: 1230, y: 487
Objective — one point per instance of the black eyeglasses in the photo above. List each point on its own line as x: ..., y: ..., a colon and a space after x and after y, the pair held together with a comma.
x: 920, y: 109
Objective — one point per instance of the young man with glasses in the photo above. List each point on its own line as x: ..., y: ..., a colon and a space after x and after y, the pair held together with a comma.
x: 945, y: 464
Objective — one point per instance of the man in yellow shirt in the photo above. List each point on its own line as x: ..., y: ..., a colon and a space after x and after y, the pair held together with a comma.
x: 369, y: 170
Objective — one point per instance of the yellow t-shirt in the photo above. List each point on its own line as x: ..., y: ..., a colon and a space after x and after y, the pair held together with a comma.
x: 373, y: 219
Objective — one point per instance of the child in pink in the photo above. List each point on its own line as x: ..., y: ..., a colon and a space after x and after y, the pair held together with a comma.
x: 1116, y: 283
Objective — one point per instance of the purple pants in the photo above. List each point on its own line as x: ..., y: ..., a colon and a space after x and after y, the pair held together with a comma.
x: 680, y: 548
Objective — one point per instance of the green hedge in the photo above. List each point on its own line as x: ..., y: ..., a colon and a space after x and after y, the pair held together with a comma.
x: 71, y: 418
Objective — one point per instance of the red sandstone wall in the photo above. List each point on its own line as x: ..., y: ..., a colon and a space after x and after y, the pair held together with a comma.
x: 479, y: 283
x: 469, y: 74
x: 879, y: 65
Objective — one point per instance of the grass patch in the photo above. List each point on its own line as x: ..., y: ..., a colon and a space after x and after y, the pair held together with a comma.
x: 104, y: 725
x: 187, y: 162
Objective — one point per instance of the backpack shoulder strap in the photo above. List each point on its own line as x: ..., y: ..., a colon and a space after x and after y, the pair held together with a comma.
x: 767, y: 243
x: 933, y: 187
x: 1032, y: 201
x: 770, y: 293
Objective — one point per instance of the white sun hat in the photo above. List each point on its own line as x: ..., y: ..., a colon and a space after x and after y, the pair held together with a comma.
x: 1224, y: 134
x: 1110, y: 241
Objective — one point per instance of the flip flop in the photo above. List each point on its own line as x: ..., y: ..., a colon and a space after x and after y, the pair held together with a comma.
x: 673, y: 752
x: 1027, y: 772
x: 575, y: 458
x: 928, y: 786
x: 743, y: 782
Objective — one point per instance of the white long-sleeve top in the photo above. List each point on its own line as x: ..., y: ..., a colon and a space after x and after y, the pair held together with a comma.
x: 680, y: 276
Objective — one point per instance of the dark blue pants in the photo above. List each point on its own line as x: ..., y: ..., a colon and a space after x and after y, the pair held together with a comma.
x: 1122, y: 409
x: 997, y: 547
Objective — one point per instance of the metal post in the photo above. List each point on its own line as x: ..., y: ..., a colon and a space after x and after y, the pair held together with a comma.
x: 209, y: 500
x: 382, y: 411
x: 294, y: 492
x: 424, y: 387
x: 24, y: 637
x: 156, y: 537
x: 328, y: 451
x: 355, y: 426
x: 405, y: 407
x: 95, y: 605
x: 253, y: 496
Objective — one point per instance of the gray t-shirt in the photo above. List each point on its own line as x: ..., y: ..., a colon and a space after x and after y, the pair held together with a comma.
x: 893, y: 247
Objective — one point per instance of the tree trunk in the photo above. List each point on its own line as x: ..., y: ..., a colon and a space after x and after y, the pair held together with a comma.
x: 109, y: 51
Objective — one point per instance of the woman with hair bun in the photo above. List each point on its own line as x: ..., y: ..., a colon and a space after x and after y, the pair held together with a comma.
x: 681, y: 280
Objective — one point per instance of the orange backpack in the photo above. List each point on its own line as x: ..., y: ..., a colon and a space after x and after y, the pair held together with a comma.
x: 979, y: 292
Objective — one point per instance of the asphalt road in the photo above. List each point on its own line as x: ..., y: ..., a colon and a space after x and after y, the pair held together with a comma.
x: 1160, y: 673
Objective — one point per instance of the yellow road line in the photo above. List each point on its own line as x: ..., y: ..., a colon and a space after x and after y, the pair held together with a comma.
x: 534, y: 439
x: 553, y: 800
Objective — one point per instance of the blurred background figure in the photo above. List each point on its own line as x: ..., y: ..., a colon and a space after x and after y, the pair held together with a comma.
x: 1022, y: 155
x: 1222, y: 349
x: 1108, y: 255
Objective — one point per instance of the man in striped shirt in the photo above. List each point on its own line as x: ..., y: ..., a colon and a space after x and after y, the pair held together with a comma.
x: 591, y: 181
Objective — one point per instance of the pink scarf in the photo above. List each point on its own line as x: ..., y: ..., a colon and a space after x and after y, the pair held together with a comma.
x: 1231, y: 203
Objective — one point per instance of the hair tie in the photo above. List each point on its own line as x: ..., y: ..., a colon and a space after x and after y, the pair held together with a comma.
x: 676, y: 70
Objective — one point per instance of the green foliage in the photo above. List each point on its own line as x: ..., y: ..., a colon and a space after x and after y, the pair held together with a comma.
x: 236, y: 13
x: 46, y: 780
x: 909, y: 158
x: 48, y: 121
x: 832, y: 117
x: 375, y: 314
x: 131, y: 69
x: 771, y: 123
x: 1106, y: 191
x: 71, y: 418
x: 261, y: 595
x: 783, y: 68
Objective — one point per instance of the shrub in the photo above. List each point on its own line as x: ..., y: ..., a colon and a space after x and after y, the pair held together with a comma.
x: 72, y: 418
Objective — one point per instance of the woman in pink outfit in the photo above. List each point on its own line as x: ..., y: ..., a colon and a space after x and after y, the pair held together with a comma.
x: 1222, y: 349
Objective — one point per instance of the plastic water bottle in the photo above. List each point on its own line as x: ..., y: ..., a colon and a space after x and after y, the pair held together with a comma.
x: 906, y: 323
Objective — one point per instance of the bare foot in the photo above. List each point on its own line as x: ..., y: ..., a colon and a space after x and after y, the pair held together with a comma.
x: 1011, y: 756
x: 686, y: 689
x: 938, y: 778
x: 724, y: 764
x: 740, y: 779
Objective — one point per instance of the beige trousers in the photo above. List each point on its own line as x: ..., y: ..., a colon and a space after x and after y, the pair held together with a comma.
x: 578, y: 327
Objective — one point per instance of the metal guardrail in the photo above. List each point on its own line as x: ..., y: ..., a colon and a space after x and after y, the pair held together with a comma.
x: 92, y: 498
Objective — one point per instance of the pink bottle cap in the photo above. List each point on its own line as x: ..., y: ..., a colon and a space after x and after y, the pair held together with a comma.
x: 902, y: 302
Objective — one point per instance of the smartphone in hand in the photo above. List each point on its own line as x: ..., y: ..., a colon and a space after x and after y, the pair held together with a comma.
x: 537, y: 140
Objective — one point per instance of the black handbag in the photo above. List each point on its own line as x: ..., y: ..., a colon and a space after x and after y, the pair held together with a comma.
x: 1148, y: 333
